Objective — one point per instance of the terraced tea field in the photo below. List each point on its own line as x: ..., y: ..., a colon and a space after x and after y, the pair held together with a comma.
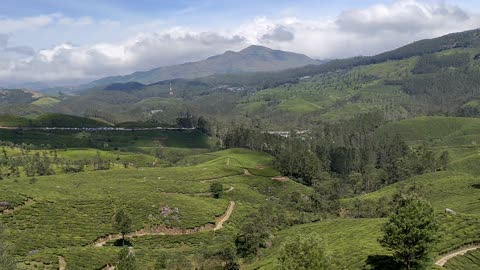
x: 67, y: 215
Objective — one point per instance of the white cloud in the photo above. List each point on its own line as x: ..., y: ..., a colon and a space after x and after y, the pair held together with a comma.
x: 8, y: 25
x: 355, y: 32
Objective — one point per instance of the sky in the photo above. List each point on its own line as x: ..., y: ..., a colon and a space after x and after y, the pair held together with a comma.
x: 72, y: 41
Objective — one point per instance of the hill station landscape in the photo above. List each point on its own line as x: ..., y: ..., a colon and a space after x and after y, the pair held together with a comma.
x: 254, y: 158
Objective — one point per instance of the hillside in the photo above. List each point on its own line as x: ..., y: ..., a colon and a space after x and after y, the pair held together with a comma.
x: 436, y: 76
x: 42, y: 205
x: 251, y: 59
x: 50, y: 120
x: 354, y: 240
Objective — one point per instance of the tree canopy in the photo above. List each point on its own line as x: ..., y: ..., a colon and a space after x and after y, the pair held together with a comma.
x: 122, y: 222
x: 306, y: 252
x: 410, y: 232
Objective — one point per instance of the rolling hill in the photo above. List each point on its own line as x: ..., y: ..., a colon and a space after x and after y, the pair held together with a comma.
x: 435, y: 76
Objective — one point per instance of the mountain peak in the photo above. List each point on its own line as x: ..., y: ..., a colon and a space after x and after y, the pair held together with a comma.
x: 255, y: 48
x: 254, y: 58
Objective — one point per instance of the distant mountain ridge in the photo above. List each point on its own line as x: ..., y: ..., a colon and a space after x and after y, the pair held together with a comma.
x: 251, y: 59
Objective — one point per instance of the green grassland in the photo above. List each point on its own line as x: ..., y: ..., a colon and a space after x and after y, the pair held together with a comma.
x: 350, y: 240
x: 50, y: 120
x: 437, y: 130
x: 471, y: 260
x: 354, y: 241
x: 45, y: 101
x: 337, y: 95
x: 68, y: 212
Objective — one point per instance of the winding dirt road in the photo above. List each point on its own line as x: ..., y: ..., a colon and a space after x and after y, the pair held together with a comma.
x: 442, y: 261
x: 61, y: 263
x: 163, y: 230
x: 224, y: 218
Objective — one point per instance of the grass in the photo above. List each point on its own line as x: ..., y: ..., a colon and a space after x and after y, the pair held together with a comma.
x: 13, y: 121
x: 354, y: 243
x: 45, y: 101
x: 454, y: 190
x: 71, y: 211
x: 471, y: 260
x: 350, y: 240
x: 355, y: 240
x: 444, y: 131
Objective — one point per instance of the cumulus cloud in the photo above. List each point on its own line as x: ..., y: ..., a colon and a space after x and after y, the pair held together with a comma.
x: 279, y: 33
x: 405, y: 16
x: 9, y: 25
x: 4, y: 40
x: 354, y: 32
x: 144, y: 51
x: 4, y: 48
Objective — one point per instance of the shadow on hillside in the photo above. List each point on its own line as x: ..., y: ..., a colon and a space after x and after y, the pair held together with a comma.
x: 382, y: 262
x: 121, y: 243
x: 477, y: 186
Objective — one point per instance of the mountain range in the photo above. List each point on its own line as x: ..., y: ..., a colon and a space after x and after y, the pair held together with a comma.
x: 251, y: 59
x: 433, y: 76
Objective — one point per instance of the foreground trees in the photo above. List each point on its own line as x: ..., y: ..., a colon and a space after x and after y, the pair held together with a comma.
x: 216, y: 188
x: 126, y: 260
x: 410, y: 232
x: 306, y: 252
x: 122, y: 223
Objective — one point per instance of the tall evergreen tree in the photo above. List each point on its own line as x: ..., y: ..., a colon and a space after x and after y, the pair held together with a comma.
x: 122, y: 223
x: 410, y: 232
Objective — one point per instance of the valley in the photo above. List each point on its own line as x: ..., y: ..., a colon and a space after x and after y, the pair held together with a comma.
x: 257, y: 159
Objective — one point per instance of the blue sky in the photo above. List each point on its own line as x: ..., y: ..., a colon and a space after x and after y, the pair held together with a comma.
x: 149, y: 8
x: 71, y: 40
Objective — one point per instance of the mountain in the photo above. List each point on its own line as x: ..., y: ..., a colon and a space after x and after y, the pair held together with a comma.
x: 18, y: 96
x: 429, y: 77
x: 251, y: 59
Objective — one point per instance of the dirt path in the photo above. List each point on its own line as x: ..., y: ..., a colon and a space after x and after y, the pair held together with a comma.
x: 62, y: 264
x: 222, y: 219
x: 229, y: 189
x: 28, y: 202
x: 109, y: 267
x: 163, y: 230
x: 442, y: 261
x: 280, y: 178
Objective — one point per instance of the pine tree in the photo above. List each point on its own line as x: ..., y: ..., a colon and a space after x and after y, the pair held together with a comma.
x: 122, y: 223
x: 410, y: 232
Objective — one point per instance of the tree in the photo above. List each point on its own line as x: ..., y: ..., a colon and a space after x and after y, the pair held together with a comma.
x: 410, y: 232
x: 250, y: 238
x: 229, y: 257
x: 7, y: 261
x: 126, y: 260
x: 444, y: 160
x: 216, y: 188
x: 161, y: 262
x: 122, y: 222
x: 306, y: 252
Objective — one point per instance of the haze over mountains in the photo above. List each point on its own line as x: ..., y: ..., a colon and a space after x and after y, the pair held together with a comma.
x: 251, y: 59
x: 428, y: 76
